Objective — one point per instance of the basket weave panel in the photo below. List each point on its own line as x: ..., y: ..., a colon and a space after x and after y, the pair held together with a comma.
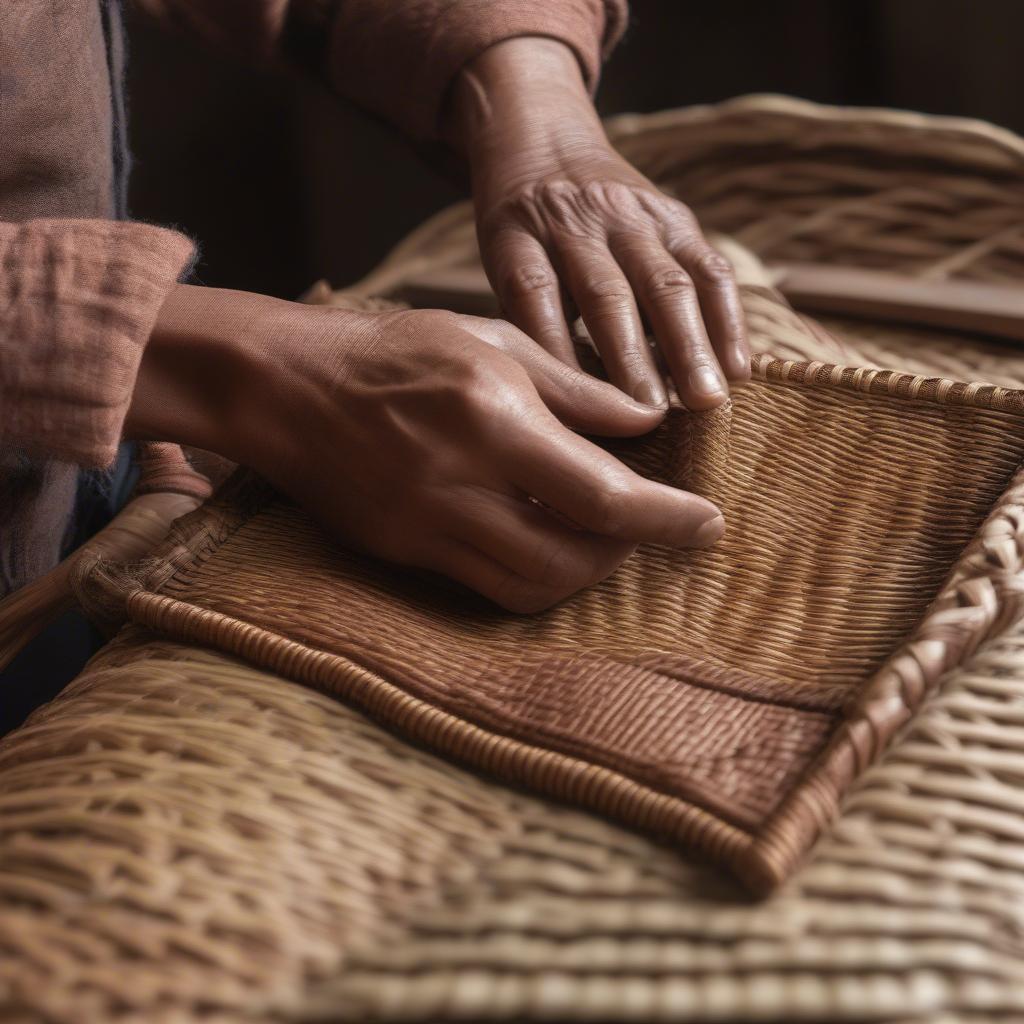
x: 805, y: 590
x: 721, y: 698
x: 931, y: 197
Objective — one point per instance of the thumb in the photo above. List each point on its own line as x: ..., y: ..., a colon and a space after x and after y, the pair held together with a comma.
x: 580, y: 401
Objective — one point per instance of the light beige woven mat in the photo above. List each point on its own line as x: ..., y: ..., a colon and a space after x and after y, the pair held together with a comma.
x: 187, y: 838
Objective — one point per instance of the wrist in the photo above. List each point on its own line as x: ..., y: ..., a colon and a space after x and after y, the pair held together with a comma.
x: 192, y: 372
x: 524, y: 97
x: 207, y: 373
x: 230, y: 372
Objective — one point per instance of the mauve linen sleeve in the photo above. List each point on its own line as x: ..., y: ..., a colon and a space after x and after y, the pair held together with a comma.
x: 395, y: 57
x: 78, y: 300
x: 398, y: 57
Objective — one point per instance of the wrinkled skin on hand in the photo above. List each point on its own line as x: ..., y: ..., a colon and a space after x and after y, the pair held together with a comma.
x: 420, y: 437
x: 439, y: 432
x: 452, y: 443
x: 565, y: 224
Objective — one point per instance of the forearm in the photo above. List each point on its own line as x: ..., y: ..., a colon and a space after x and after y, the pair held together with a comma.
x: 215, y: 371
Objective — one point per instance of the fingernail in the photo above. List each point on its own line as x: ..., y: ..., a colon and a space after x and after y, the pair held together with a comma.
x: 709, y: 531
x: 647, y: 394
x: 705, y: 380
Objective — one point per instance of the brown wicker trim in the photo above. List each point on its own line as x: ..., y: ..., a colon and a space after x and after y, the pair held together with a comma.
x: 890, y: 383
x: 984, y: 596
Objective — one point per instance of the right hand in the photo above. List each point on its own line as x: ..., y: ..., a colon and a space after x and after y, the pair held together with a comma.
x: 422, y: 436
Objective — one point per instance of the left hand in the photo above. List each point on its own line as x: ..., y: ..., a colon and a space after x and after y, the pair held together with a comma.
x: 564, y: 221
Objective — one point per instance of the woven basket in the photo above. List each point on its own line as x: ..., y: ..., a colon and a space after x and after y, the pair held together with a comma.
x: 184, y: 837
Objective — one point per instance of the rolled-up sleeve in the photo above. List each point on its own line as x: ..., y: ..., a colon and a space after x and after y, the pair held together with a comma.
x: 397, y: 58
x: 78, y: 301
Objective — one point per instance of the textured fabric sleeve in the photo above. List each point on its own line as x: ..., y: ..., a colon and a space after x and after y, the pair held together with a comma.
x: 78, y: 300
x: 398, y: 58
x: 394, y: 57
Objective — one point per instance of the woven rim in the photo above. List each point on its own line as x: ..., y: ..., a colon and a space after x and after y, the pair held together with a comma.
x: 979, y: 143
x: 890, y: 383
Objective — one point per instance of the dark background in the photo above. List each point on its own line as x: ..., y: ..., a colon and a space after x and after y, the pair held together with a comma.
x: 282, y: 183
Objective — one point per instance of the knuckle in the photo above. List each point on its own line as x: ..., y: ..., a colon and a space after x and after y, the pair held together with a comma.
x: 441, y: 320
x: 610, y: 194
x: 527, y: 279
x: 478, y: 389
x: 605, y: 292
x: 557, y: 197
x: 670, y: 282
x: 608, y: 502
x: 580, y: 210
x: 556, y: 568
x: 575, y: 385
x: 555, y: 190
x: 713, y: 267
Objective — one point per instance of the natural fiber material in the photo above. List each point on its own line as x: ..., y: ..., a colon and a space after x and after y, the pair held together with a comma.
x: 933, y: 197
x: 184, y: 837
x: 850, y: 494
x: 699, y: 694
x: 187, y: 838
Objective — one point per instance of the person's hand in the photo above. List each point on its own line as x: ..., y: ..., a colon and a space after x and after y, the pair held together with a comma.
x: 564, y: 223
x: 422, y: 437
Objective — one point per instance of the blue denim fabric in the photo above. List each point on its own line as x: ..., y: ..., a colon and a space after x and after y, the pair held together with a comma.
x: 57, y: 655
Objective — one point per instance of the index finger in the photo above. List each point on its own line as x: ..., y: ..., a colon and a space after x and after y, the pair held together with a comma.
x: 595, y: 490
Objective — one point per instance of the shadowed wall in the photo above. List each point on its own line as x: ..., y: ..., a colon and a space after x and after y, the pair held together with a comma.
x: 282, y: 184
